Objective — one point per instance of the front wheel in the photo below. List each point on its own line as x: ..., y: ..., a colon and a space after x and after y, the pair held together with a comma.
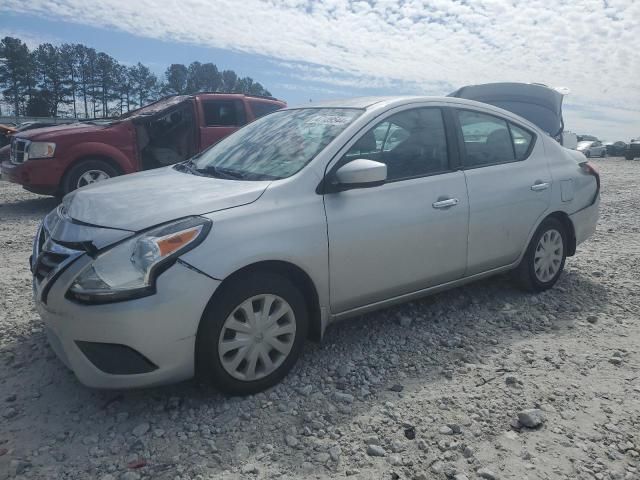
x: 251, y: 334
x: 544, y: 259
x: 604, y: 154
x: 628, y: 156
x: 86, y: 173
x: 587, y: 153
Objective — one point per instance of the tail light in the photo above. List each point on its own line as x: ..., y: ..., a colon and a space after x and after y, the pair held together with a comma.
x: 590, y: 169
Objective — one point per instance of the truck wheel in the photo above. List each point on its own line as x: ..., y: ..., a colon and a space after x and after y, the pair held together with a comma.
x: 86, y: 173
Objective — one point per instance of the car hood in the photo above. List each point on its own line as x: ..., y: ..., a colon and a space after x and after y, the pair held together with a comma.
x: 539, y: 104
x: 53, y: 132
x: 141, y: 200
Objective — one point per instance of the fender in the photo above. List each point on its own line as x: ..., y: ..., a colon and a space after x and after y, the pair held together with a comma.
x: 126, y: 163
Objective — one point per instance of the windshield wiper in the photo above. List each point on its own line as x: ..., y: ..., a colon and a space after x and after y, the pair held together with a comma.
x: 219, y: 172
x: 184, y: 166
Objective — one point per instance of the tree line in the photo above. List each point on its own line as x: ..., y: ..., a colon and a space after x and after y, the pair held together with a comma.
x: 73, y: 80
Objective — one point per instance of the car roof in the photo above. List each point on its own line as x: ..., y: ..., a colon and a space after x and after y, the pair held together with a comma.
x: 383, y: 103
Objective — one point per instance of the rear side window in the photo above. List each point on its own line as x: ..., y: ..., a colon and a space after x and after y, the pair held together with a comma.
x: 487, y: 140
x: 521, y: 141
x: 223, y: 113
x: 260, y: 109
x: 411, y: 143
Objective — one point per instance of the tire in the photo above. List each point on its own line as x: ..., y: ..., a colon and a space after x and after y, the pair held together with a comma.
x: 628, y: 156
x: 604, y: 154
x: 587, y: 154
x: 526, y: 273
x: 74, y: 178
x: 226, y: 311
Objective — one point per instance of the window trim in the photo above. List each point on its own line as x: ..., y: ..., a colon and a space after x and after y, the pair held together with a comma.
x: 508, y: 121
x: 453, y: 159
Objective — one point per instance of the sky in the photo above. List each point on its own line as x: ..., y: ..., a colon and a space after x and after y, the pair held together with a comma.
x: 312, y: 50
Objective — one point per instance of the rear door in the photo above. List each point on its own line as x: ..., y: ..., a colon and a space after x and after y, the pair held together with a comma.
x: 509, y: 185
x: 219, y: 118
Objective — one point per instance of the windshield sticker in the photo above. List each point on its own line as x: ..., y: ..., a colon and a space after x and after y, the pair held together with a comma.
x: 328, y: 120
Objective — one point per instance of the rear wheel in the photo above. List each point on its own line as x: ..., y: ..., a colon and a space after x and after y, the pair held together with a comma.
x: 544, y: 260
x: 628, y: 156
x: 251, y: 334
x: 604, y: 153
x: 86, y: 173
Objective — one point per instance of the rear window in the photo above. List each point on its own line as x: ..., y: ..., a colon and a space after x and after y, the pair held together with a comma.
x: 260, y: 109
x: 223, y: 113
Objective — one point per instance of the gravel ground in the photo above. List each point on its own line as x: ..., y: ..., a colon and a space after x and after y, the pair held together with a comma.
x: 478, y: 382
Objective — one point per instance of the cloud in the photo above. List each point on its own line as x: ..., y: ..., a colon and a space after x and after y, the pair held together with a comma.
x: 414, y: 45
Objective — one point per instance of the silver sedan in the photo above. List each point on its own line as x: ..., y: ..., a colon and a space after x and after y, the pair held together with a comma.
x: 224, y: 265
x: 592, y: 149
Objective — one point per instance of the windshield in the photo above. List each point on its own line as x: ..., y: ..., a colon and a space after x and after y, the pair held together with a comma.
x: 275, y: 146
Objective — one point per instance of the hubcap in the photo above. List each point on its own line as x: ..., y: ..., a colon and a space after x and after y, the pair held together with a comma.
x: 548, y: 257
x: 92, y: 176
x: 257, y: 337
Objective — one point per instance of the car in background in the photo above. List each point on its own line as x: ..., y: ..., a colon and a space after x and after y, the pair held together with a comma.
x: 615, y: 149
x: 569, y: 140
x: 536, y: 102
x: 60, y: 159
x: 592, y: 148
x: 585, y: 138
x: 223, y: 265
x: 633, y: 149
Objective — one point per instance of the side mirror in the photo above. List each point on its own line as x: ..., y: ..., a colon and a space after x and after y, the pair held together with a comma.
x: 361, y: 173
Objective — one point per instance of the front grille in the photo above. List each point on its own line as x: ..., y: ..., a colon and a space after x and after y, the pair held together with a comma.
x: 18, y: 149
x: 46, y: 263
x: 49, y: 260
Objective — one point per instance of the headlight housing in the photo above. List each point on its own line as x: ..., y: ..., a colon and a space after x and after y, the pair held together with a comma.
x: 38, y: 150
x: 129, y: 269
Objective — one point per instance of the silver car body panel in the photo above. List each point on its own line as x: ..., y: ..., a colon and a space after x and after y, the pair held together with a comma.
x: 362, y: 249
x: 162, y: 327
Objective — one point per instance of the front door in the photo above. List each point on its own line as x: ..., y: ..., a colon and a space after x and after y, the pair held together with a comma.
x: 405, y: 235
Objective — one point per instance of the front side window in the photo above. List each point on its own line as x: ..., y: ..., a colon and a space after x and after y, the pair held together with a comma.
x: 486, y: 139
x: 223, y: 113
x: 411, y: 143
x: 276, y: 146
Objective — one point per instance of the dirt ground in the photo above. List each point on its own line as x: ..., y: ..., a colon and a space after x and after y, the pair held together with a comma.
x: 428, y: 390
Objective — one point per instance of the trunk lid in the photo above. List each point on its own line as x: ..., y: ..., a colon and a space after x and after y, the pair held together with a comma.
x: 537, y: 103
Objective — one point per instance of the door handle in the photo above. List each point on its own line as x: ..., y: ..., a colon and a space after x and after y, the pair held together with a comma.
x: 449, y: 202
x: 538, y: 187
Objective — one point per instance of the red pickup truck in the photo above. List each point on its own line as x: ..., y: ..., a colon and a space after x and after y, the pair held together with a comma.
x: 57, y: 160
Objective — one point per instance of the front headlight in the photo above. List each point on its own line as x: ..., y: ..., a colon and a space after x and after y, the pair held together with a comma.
x: 129, y: 269
x: 40, y: 150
